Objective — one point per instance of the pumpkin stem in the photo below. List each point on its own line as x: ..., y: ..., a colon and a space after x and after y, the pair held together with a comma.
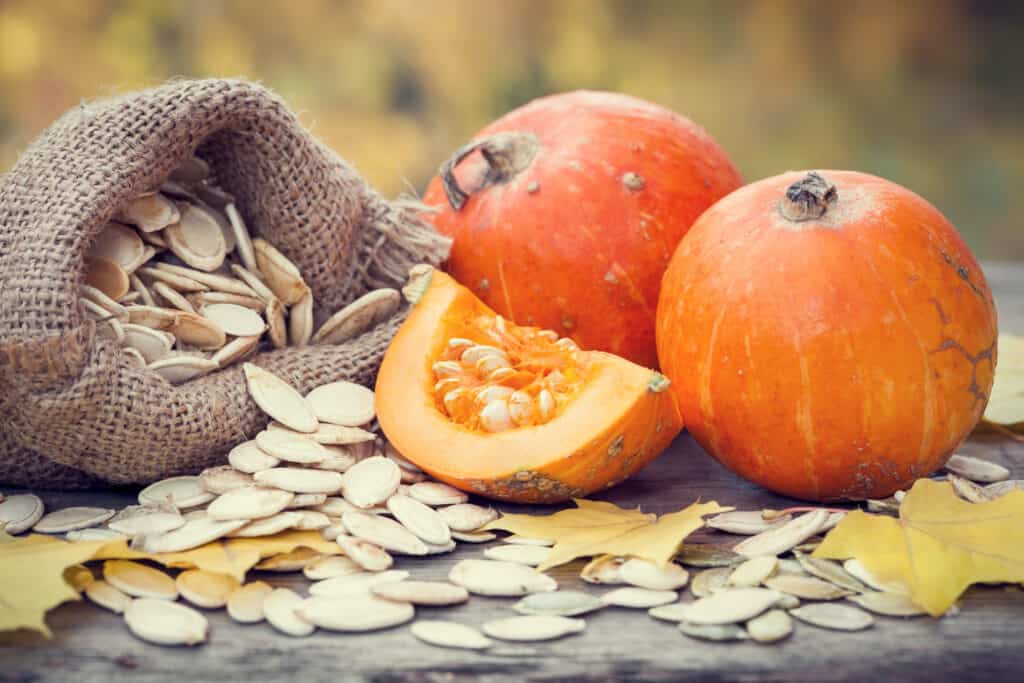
x: 507, y: 155
x: 808, y: 198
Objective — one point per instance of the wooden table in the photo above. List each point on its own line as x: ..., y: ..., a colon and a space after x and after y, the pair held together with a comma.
x: 982, y: 641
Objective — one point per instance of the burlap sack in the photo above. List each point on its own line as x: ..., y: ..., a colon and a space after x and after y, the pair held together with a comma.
x: 73, y: 410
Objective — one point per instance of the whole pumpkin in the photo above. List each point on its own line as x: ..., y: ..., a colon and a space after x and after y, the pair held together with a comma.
x: 828, y: 335
x: 565, y: 213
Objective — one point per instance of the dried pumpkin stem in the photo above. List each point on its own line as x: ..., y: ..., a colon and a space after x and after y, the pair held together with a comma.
x: 809, y: 198
x: 507, y: 155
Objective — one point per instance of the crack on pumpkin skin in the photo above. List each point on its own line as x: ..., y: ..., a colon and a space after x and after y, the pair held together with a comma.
x: 962, y: 272
x: 985, y: 354
x: 941, y: 311
x: 865, y: 483
x: 526, y: 486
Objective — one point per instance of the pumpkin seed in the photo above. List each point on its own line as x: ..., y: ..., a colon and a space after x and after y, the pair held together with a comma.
x: 192, y: 328
x: 224, y: 478
x: 291, y: 447
x: 165, y: 623
x: 139, y: 580
x: 88, y: 535
x: 370, y: 482
x: 835, y: 617
x: 120, y: 244
x: 330, y: 566
x: 279, y: 400
x: 528, y: 555
x: 294, y: 561
x: 1002, y: 488
x: 787, y: 601
x: 674, y: 612
x: 770, y: 627
x: 277, y: 329
x: 181, y: 492
x: 243, y: 241
x: 108, y: 597
x: 474, y: 536
x: 234, y: 319
x: 202, y: 299
x: 20, y: 512
x: 216, y: 282
x: 516, y: 539
x: 336, y: 435
x: 206, y: 589
x: 888, y: 604
x: 300, y: 321
x: 731, y: 606
x: 176, y: 282
x: 337, y: 459
x: 194, y: 533
x: 311, y: 520
x: 136, y: 284
x: 434, y: 493
x: 268, y: 526
x: 71, y: 518
x: 384, y: 532
x: 333, y: 531
x: 196, y: 238
x: 533, y: 628
x: 245, y: 605
x: 249, y: 277
x: 490, y: 577
x: 833, y: 520
x: 449, y: 634
x: 707, y: 555
x: 830, y: 571
x: 784, y: 538
x: 355, y: 613
x: 335, y: 507
x: 250, y: 458
x: 806, y: 587
x: 150, y: 212
x: 249, y: 502
x: 391, y: 452
x: 421, y: 592
x: 710, y: 581
x: 466, y: 516
x: 134, y: 358
x: 281, y: 275
x: 78, y: 576
x: 176, y: 301
x: 180, y: 369
x: 370, y: 557
x: 754, y: 571
x: 440, y: 548
x: 153, y: 317
x: 855, y: 568
x: 745, y: 523
x: 714, y: 632
x: 109, y: 306
x: 107, y: 276
x: 356, y: 584
x: 280, y: 608
x: 887, y: 505
x: 423, y: 521
x: 298, y: 480
x: 638, y: 597
x: 152, y: 344
x: 359, y: 316
x: 559, y: 603
x: 976, y: 469
x: 968, y: 490
x: 646, y: 574
x: 342, y: 403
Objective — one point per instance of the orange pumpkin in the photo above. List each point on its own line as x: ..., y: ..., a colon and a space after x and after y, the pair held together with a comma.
x: 514, y: 413
x: 829, y: 336
x: 565, y: 213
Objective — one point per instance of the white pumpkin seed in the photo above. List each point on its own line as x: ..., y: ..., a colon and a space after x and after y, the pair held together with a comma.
x: 371, y: 481
x: 466, y: 516
x: 336, y: 435
x: 421, y: 592
x: 195, y: 532
x: 299, y: 480
x: 714, y: 632
x: 770, y: 627
x: 370, y: 557
x: 20, y: 512
x: 206, y: 589
x: 362, y: 314
x: 291, y: 447
x: 342, y: 403
x: 833, y: 520
x: 1002, y: 488
x: 134, y: 358
x: 279, y: 400
x: 976, y: 469
x: 440, y: 548
x: 249, y: 502
x: 675, y: 612
x: 355, y: 613
x: 746, y: 523
x: 708, y: 555
x: 249, y: 277
x: 710, y: 581
x: 337, y: 459
x: 139, y: 580
x: 530, y: 555
x: 449, y: 634
x: 176, y: 282
x: 855, y: 568
x: 647, y: 574
x: 335, y: 507
x: 234, y: 319
x: 754, y: 571
x: 384, y: 532
x: 434, y: 494
x: 281, y: 275
x: 153, y: 317
x: 603, y: 569
x: 420, y: 519
x: 533, y: 628
x: 219, y: 283
x: 223, y: 478
x: 830, y: 571
x: 69, y: 519
x: 107, y: 276
x: 300, y: 321
x: 109, y: 307
x: 888, y: 604
x: 181, y: 492
x: 787, y: 602
x: 335, y: 529
x: 196, y: 238
x: 120, y: 244
x: 250, y: 458
x: 165, y: 623
x: 559, y: 604
x: 174, y: 299
x: 330, y: 566
x: 968, y: 490
x: 108, y: 597
x: 268, y: 526
x: 311, y: 520
x: 150, y: 212
x: 832, y: 616
x: 245, y: 605
x: 642, y: 598
x: 489, y: 577
x: 806, y: 587
x: 516, y: 539
x: 88, y: 535
x: 152, y: 344
x: 356, y: 584
x: 731, y: 606
x: 181, y: 369
x: 280, y: 608
x: 784, y: 538
x: 243, y: 241
x: 474, y: 536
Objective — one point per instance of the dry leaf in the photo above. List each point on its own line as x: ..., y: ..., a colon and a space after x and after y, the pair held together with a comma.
x: 599, y: 528
x: 940, y: 544
x: 1006, y: 403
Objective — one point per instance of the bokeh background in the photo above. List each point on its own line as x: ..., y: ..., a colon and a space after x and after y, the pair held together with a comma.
x: 929, y: 93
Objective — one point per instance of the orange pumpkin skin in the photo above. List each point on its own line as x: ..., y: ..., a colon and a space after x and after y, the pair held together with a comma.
x: 621, y: 419
x: 575, y: 235
x: 836, y: 358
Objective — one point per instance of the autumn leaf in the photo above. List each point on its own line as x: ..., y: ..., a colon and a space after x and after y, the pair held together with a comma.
x: 940, y: 544
x: 599, y: 528
x: 1006, y: 404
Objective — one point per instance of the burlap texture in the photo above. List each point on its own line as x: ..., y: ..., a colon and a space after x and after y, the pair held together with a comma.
x: 73, y: 410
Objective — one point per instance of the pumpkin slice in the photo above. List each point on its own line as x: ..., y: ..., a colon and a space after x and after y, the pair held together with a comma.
x: 514, y: 413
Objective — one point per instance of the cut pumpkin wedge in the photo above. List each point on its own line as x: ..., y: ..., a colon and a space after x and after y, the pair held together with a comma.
x: 509, y: 412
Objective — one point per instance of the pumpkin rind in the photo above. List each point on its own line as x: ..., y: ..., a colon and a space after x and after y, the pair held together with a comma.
x: 613, y: 426
x: 599, y: 190
x: 828, y: 358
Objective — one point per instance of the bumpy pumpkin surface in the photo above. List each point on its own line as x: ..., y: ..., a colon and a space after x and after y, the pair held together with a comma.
x: 514, y: 413
x: 828, y: 336
x: 565, y: 212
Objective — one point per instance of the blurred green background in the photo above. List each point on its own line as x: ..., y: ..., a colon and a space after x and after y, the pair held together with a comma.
x: 929, y: 93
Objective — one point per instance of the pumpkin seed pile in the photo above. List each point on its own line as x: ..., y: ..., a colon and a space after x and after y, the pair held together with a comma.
x: 177, y: 280
x: 318, y: 466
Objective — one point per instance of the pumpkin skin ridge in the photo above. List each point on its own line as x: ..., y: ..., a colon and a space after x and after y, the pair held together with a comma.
x: 558, y: 457
x: 907, y: 256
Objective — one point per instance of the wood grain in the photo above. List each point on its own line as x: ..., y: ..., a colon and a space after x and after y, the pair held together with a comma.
x: 981, y: 641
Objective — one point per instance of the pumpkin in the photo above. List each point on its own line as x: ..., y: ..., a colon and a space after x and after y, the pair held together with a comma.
x: 514, y: 413
x: 828, y: 335
x: 565, y: 212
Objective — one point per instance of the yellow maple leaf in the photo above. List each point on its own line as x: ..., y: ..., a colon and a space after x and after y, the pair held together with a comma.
x: 1006, y: 402
x: 599, y: 528
x: 940, y: 544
